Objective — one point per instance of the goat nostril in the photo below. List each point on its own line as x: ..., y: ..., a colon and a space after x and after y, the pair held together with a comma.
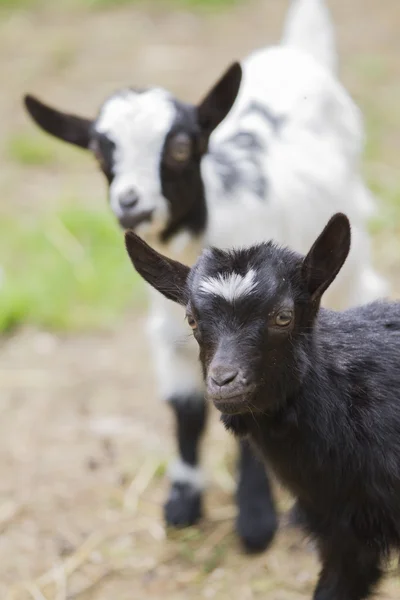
x: 129, y: 199
x: 223, y: 375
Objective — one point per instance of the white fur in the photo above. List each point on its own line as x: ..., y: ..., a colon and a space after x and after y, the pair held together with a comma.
x: 308, y: 27
x: 312, y: 166
x: 181, y: 472
x: 138, y: 122
x: 231, y: 286
x: 174, y: 350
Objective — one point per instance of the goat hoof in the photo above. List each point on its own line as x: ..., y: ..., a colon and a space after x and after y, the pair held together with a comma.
x: 256, y: 529
x: 183, y: 507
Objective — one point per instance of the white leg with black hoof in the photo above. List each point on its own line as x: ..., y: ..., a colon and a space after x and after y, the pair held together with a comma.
x: 185, y: 502
x: 180, y: 383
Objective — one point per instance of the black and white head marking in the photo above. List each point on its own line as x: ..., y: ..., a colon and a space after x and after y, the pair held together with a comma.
x: 155, y: 161
x: 149, y: 146
x: 159, y: 142
x: 180, y: 175
x: 136, y: 123
x: 241, y: 277
x: 103, y: 149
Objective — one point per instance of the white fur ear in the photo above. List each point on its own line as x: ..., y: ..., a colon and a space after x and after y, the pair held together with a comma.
x: 309, y: 27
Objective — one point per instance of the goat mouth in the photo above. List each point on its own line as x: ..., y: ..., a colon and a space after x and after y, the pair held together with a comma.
x: 132, y: 221
x: 237, y: 403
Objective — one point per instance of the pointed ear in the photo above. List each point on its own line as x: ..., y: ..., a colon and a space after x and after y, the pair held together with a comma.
x: 165, y: 275
x: 70, y: 128
x: 327, y: 255
x: 219, y: 101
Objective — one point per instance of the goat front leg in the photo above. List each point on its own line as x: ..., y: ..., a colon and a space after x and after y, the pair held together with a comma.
x: 181, y: 384
x: 257, y: 521
x: 184, y: 504
x: 350, y: 571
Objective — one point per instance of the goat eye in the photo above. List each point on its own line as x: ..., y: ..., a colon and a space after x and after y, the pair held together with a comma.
x: 180, y: 147
x: 192, y: 322
x: 284, y: 318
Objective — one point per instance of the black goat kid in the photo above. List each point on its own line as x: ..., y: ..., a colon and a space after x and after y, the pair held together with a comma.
x: 316, y: 391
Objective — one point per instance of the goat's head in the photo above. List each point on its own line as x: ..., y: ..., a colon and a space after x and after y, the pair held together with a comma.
x: 149, y: 146
x: 251, y: 311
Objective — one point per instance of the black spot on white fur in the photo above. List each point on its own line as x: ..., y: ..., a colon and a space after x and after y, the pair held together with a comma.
x: 238, y: 162
x: 239, y: 159
x: 277, y: 121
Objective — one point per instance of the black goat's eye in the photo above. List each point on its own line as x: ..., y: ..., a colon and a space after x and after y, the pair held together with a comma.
x: 192, y: 322
x: 284, y: 318
x: 180, y: 147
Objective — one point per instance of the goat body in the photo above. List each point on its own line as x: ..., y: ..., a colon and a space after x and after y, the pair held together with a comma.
x: 335, y: 441
x: 336, y: 445
x: 316, y: 391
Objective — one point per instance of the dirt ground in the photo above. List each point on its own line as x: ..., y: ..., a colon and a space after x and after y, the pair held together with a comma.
x: 83, y: 440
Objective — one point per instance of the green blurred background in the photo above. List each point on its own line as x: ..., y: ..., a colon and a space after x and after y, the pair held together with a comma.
x: 60, y: 252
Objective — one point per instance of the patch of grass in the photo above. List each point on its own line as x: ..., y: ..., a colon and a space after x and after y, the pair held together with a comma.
x: 371, y: 67
x: 28, y: 149
x: 35, y: 148
x: 388, y: 218
x: 64, y: 271
x: 374, y: 134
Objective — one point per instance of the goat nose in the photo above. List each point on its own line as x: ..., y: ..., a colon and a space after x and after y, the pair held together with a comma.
x: 129, y: 199
x: 222, y: 375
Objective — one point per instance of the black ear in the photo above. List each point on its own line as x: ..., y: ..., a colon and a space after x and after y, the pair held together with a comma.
x: 327, y: 255
x: 165, y: 275
x: 69, y: 128
x: 219, y: 101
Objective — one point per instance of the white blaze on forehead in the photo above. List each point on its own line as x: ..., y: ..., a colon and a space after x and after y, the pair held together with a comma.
x: 137, y: 116
x: 230, y: 286
x: 138, y: 124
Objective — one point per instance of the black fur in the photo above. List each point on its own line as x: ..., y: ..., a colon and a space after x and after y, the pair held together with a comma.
x: 230, y: 166
x: 277, y: 121
x: 182, y: 184
x: 69, y: 128
x: 191, y: 415
x: 184, y: 505
x: 318, y: 397
x: 257, y: 521
x: 104, y: 150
